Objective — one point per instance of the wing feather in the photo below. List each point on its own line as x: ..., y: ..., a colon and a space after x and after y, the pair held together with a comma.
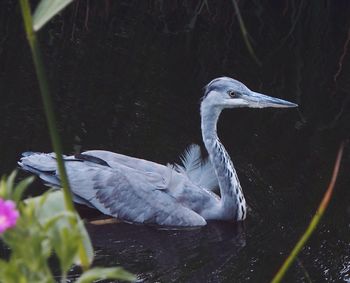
x: 134, y: 190
x: 126, y: 194
x: 199, y: 171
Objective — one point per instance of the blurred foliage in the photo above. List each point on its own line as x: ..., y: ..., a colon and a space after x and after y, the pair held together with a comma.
x: 43, y: 228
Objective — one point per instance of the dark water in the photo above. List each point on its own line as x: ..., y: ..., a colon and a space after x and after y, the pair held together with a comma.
x: 128, y: 76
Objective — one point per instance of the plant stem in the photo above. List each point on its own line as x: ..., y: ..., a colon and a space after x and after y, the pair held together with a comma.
x: 245, y: 33
x: 46, y: 98
x: 314, y: 221
x: 50, y: 116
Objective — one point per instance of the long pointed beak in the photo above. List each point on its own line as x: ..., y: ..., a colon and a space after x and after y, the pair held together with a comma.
x: 259, y: 100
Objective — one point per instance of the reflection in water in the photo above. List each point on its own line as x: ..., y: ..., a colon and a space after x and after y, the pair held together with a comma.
x: 198, y: 255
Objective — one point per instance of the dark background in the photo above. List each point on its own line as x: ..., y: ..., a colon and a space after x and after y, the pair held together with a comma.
x: 127, y: 76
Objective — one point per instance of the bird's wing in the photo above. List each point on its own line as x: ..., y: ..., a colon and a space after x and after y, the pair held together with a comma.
x: 116, y: 159
x: 199, y: 171
x: 129, y: 195
x: 118, y: 190
x: 157, y: 174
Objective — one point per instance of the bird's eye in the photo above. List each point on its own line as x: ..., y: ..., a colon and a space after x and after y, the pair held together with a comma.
x: 232, y: 94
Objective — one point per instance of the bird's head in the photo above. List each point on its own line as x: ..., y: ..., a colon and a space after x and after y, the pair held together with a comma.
x: 225, y: 92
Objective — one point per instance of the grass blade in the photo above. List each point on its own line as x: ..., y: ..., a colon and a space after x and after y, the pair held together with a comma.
x: 314, y: 221
x: 245, y: 33
x: 46, y: 98
x: 49, y: 113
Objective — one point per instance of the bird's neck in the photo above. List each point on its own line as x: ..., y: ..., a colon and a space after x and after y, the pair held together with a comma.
x: 232, y: 199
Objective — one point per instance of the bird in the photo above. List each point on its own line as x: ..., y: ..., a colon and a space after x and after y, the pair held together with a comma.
x: 173, y: 195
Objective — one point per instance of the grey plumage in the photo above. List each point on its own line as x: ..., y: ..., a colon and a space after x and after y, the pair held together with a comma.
x: 136, y: 190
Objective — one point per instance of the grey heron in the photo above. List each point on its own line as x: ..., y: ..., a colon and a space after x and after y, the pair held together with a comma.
x: 136, y: 190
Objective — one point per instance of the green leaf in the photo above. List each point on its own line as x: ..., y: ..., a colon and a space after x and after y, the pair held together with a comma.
x: 20, y: 188
x: 3, y: 188
x: 9, y: 191
x: 9, y: 184
x: 106, y: 273
x: 47, y: 205
x: 86, y: 244
x: 51, y: 211
x: 66, y: 243
x: 50, y: 223
x: 46, y: 10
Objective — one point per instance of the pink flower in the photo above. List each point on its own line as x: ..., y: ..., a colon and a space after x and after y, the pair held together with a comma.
x: 8, y: 214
